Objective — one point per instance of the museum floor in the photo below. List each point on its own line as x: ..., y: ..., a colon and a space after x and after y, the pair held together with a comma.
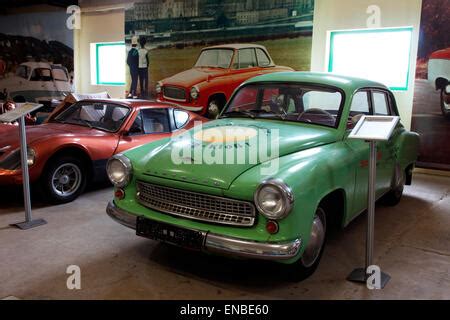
x: 412, y: 245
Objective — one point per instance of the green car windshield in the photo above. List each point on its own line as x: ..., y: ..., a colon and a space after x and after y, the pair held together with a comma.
x: 288, y: 102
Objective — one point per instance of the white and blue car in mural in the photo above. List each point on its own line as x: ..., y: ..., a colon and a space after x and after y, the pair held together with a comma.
x: 37, y: 82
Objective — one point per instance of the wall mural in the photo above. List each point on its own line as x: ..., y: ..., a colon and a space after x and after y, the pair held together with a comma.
x: 431, y: 111
x: 36, y: 58
x: 166, y: 41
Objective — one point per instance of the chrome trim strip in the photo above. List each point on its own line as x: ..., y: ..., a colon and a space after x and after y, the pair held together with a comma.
x: 215, y: 243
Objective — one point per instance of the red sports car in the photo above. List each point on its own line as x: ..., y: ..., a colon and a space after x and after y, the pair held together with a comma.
x: 218, y: 71
x: 72, y: 148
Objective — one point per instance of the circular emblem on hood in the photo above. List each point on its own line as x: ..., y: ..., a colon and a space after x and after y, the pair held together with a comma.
x: 225, y: 134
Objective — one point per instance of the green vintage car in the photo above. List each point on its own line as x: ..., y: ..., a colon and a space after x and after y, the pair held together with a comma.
x: 293, y: 175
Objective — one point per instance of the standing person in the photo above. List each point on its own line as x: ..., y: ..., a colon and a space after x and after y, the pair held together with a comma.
x: 143, y: 67
x: 133, y: 64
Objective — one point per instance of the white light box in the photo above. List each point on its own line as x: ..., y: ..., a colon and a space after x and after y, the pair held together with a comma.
x: 381, y: 55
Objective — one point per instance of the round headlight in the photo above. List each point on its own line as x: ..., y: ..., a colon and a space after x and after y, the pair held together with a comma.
x: 194, y: 92
x: 274, y: 199
x: 119, y: 170
x: 158, y: 87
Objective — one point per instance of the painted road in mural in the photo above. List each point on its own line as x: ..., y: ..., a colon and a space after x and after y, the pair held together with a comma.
x: 433, y: 128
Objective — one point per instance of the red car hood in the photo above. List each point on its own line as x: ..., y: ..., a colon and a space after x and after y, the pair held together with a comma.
x: 193, y: 76
x: 9, y: 135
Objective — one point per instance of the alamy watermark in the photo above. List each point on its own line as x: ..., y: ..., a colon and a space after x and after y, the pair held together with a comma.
x: 74, y: 19
x: 230, y: 145
x: 74, y: 280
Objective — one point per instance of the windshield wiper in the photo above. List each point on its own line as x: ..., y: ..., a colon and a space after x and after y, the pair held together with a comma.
x: 247, y: 113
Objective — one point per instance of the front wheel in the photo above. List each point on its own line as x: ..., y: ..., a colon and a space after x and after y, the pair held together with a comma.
x: 215, y: 106
x: 64, y: 179
x: 312, y: 254
x: 445, y: 103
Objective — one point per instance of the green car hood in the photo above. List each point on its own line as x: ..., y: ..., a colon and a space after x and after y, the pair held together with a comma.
x: 283, y: 138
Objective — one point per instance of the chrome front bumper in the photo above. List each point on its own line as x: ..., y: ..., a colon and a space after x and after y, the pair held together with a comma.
x: 224, y: 244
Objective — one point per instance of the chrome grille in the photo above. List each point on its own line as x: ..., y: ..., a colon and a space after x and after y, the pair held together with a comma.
x: 196, y: 206
x: 174, y: 93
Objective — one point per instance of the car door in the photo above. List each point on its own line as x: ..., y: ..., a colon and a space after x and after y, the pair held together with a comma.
x: 360, y: 106
x: 246, y: 65
x: 381, y: 105
x: 149, y: 124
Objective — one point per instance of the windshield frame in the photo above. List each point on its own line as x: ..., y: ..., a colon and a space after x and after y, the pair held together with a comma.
x: 124, y: 121
x: 210, y: 49
x: 310, y: 85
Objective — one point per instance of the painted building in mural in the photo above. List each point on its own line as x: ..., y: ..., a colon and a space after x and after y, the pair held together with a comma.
x: 155, y: 16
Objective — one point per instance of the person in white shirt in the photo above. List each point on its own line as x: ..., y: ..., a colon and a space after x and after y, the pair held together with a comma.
x: 143, y: 68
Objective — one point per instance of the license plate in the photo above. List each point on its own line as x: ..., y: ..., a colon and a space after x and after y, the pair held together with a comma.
x: 154, y: 230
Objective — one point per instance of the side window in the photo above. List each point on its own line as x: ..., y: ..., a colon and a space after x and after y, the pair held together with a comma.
x: 155, y: 120
x: 180, y: 117
x: 380, y: 104
x: 247, y: 58
x: 360, y: 103
x: 263, y: 59
x: 359, y: 107
x: 41, y: 74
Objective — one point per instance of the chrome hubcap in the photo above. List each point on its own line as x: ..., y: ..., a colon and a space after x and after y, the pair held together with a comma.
x: 316, y: 240
x: 66, y: 179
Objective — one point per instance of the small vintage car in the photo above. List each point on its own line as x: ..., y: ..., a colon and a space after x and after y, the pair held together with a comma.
x: 439, y: 76
x: 72, y: 149
x: 278, y: 207
x: 39, y: 82
x: 219, y: 70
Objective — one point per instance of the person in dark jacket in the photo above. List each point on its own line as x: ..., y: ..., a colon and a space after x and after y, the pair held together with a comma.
x: 133, y: 64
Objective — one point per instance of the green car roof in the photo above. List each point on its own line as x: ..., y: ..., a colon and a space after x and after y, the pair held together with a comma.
x: 322, y: 78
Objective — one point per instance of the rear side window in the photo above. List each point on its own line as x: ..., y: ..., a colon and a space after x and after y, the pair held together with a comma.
x: 263, y: 59
x: 180, y: 117
x: 380, y: 104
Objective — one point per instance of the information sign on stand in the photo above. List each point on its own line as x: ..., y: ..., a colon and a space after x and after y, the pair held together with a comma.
x: 372, y: 129
x: 8, y: 117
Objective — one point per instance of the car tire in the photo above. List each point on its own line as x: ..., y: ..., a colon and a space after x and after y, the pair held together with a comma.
x: 310, y: 259
x: 64, y: 179
x: 215, y: 106
x: 393, y: 197
x: 445, y: 107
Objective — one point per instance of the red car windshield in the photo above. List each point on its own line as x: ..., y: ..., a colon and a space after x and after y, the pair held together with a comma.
x: 215, y: 58
x: 289, y: 102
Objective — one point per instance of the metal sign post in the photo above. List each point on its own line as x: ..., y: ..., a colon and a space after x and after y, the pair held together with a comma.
x: 372, y: 129
x: 19, y: 114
